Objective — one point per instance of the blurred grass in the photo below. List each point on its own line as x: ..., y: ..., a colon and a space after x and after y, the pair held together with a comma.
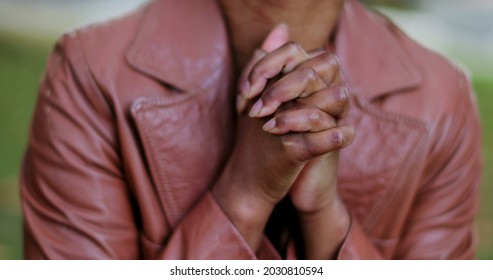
x: 484, y: 91
x: 21, y: 66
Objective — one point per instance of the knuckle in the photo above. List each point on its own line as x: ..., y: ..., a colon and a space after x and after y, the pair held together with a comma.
x: 315, y: 117
x: 288, y: 143
x: 331, y: 122
x: 333, y: 60
x: 293, y: 46
x: 342, y: 95
x: 296, y: 154
x: 327, y: 67
x: 310, y: 74
x: 336, y: 139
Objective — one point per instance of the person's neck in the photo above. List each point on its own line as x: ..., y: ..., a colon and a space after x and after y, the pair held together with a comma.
x: 311, y: 23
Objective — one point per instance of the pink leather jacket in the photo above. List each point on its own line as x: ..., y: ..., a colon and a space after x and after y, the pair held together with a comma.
x: 134, y: 123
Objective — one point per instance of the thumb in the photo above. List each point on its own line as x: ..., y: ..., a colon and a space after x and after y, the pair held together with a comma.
x: 276, y: 38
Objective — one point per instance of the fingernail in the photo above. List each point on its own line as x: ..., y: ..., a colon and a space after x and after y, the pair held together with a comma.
x: 343, y: 93
x: 257, y: 107
x: 270, y: 125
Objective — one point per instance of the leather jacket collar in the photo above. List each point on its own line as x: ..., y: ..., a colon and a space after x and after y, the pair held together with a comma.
x: 201, y: 48
x: 358, y: 54
x: 196, y: 44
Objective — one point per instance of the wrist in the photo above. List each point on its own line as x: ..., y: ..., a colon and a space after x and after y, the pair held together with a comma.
x: 246, y: 210
x: 324, y: 230
x: 335, y: 213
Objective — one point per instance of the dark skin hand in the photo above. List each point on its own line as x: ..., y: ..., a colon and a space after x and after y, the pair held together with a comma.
x: 288, y: 145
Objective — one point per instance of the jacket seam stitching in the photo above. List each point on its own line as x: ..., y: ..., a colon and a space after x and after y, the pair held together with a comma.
x: 381, y: 205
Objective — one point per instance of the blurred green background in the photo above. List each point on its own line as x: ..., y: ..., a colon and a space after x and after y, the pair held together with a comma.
x: 25, y: 45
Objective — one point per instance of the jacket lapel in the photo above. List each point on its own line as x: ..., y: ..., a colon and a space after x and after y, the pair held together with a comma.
x: 180, y: 42
x: 383, y: 161
x: 368, y: 48
x: 183, y: 50
x: 184, y: 134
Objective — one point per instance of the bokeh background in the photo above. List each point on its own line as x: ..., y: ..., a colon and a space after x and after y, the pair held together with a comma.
x: 460, y: 29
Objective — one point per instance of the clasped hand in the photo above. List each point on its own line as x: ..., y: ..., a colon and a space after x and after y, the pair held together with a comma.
x: 288, y: 135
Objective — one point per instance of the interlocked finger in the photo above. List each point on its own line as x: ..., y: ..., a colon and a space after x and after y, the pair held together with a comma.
x: 300, y: 83
x: 333, y: 101
x: 241, y: 101
x: 280, y: 61
x: 303, y: 120
x: 327, y: 67
x: 307, y: 146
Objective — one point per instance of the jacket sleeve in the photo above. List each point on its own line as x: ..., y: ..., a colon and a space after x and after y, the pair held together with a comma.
x: 207, y: 233
x: 441, y: 221
x: 76, y: 201
x: 357, y: 245
x: 76, y: 204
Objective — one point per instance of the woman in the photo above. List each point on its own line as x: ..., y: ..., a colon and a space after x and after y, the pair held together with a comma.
x: 349, y: 140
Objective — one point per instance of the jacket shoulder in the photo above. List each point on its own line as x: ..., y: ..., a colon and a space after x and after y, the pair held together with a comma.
x: 444, y: 101
x: 112, y: 36
x: 103, y: 46
x: 444, y: 84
